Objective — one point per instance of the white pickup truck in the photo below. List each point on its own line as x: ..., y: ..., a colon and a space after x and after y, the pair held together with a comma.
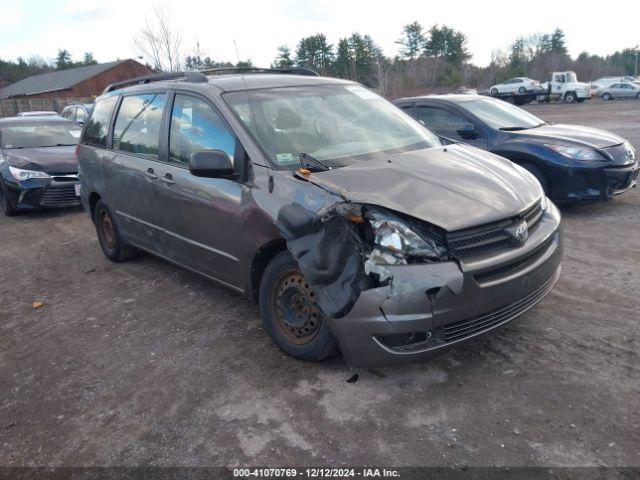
x: 566, y: 87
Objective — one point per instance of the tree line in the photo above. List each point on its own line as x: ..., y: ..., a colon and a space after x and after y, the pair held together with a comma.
x: 431, y: 58
x: 439, y: 57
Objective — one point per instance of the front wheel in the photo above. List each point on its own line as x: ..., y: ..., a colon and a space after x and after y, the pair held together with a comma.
x: 290, y: 314
x: 606, y: 96
x: 570, y: 97
x: 638, y: 96
x: 494, y: 92
x: 522, y: 90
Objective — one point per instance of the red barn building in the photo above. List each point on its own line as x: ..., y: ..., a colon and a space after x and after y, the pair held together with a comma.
x: 81, y: 82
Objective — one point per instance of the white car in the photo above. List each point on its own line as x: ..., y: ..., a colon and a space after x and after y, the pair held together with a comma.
x: 515, y: 85
x: 621, y: 90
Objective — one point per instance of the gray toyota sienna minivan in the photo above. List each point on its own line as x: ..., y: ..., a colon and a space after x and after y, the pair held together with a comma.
x: 349, y: 222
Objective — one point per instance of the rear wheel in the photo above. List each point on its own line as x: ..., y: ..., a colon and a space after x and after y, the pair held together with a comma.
x: 540, y: 176
x: 290, y: 313
x: 8, y: 209
x: 111, y: 242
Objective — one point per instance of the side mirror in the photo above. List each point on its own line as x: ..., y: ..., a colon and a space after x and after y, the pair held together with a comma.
x: 467, y: 130
x: 211, y: 164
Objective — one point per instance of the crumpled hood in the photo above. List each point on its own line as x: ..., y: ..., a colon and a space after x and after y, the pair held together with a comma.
x: 454, y: 187
x: 574, y: 135
x: 46, y: 159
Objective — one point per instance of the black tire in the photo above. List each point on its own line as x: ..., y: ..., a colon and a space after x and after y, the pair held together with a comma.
x: 570, y: 97
x: 540, y: 176
x: 8, y: 209
x: 522, y: 90
x: 494, y: 92
x: 638, y: 95
x: 606, y: 96
x: 289, y: 314
x: 111, y: 242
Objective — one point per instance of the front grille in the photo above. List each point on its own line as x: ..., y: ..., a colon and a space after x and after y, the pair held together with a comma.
x: 64, y: 195
x: 513, y: 267
x: 465, y: 328
x: 64, y: 177
x: 492, y: 237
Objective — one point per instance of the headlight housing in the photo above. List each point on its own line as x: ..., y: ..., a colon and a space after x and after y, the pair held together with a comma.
x: 631, y: 152
x: 22, y: 175
x: 544, y: 203
x: 577, y: 153
x: 396, y: 241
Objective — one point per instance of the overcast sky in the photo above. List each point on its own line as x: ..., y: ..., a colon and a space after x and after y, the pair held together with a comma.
x: 105, y: 27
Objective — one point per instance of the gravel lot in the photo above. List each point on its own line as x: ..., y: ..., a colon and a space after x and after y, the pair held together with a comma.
x: 146, y: 364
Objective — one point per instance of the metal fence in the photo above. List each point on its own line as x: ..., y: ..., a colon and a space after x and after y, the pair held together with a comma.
x: 10, y: 107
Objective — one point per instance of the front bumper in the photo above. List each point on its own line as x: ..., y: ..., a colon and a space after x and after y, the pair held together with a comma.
x: 35, y: 194
x: 595, y: 184
x: 430, y: 307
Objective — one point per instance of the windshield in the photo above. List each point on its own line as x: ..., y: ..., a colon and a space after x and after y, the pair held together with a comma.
x: 571, y: 77
x: 335, y: 124
x: 502, y: 115
x: 40, y: 135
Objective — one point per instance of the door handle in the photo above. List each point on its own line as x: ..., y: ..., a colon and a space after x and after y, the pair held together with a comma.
x: 167, y: 179
x: 150, y: 174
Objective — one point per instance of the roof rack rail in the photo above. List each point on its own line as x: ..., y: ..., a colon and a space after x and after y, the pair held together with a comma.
x: 194, y: 77
x: 286, y: 71
x: 200, y: 76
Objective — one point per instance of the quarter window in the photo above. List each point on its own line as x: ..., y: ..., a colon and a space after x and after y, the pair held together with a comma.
x: 137, y: 127
x: 98, y: 125
x: 195, y: 126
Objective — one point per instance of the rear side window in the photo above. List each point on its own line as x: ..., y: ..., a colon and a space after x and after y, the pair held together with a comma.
x: 81, y: 116
x: 195, y: 125
x: 137, y: 127
x: 68, y: 113
x: 97, y: 127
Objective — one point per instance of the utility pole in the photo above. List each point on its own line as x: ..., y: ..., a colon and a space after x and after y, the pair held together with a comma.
x: 636, y: 54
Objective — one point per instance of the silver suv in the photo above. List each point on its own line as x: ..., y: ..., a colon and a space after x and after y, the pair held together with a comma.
x: 354, y: 228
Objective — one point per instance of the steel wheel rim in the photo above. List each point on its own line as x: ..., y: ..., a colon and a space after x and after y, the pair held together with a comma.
x: 294, y: 308
x: 108, y: 234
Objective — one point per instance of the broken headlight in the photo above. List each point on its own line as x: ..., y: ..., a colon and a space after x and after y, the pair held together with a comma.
x: 396, y: 241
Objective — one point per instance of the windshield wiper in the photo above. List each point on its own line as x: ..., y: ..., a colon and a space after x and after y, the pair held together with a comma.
x: 310, y: 163
x: 512, y: 129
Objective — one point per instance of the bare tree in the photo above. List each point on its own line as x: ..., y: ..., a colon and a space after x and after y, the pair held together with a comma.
x: 159, y: 43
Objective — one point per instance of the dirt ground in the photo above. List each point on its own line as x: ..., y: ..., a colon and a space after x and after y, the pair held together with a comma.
x: 146, y: 364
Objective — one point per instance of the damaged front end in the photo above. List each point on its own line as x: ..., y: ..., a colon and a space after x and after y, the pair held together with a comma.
x: 392, y: 291
x: 348, y: 248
